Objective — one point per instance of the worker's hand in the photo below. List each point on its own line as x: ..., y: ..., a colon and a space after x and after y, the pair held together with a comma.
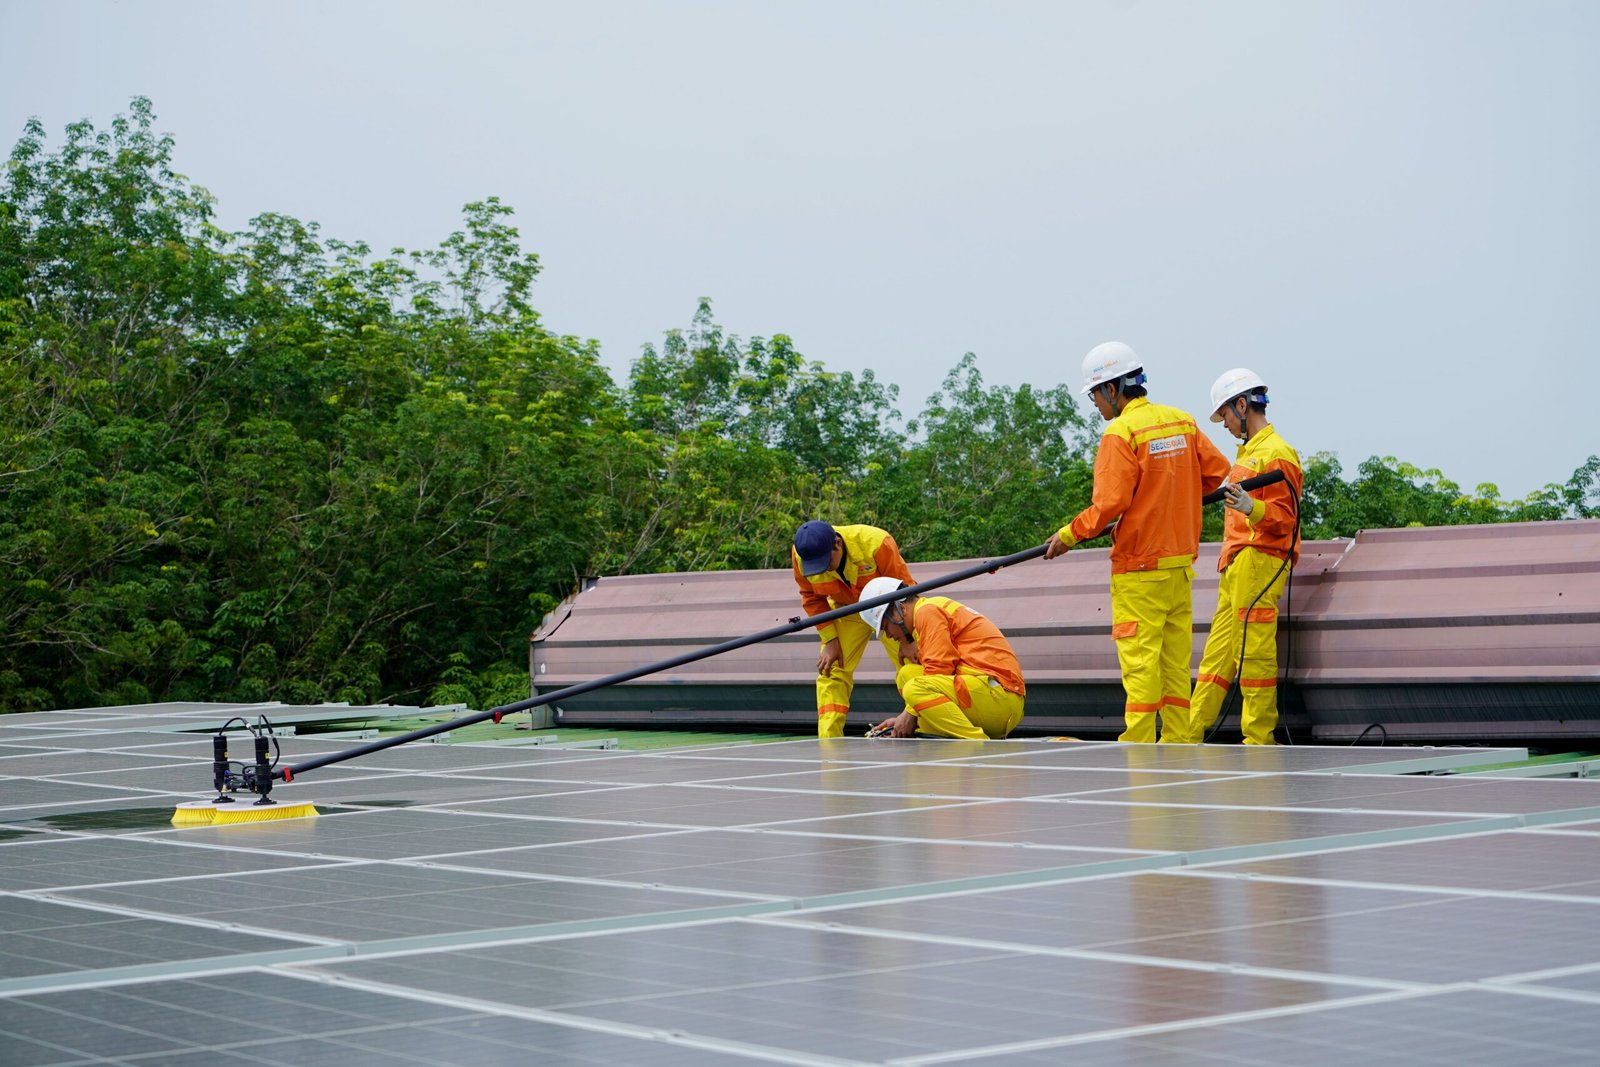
x: 908, y: 653
x: 831, y: 656
x: 1055, y: 547
x: 902, y: 725
x: 1237, y: 499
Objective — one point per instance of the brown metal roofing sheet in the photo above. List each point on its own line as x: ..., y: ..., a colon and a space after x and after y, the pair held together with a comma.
x: 1517, y: 605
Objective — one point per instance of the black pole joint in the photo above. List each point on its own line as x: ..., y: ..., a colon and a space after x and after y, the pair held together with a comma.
x: 219, y: 767
x: 263, y: 782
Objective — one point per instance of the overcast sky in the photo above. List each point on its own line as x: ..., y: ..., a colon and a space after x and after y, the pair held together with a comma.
x: 1388, y: 209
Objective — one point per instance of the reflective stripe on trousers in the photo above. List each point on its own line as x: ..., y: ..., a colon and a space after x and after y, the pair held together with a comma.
x: 1153, y: 623
x: 1247, y: 574
x: 969, y: 706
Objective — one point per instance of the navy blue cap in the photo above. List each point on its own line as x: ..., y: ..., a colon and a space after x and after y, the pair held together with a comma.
x: 813, y: 542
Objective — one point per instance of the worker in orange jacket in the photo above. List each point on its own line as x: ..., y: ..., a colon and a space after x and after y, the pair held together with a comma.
x: 1151, y: 470
x: 958, y: 676
x: 832, y: 565
x: 1260, y: 543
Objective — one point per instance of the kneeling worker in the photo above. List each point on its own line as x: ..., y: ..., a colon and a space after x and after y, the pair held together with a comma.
x: 958, y: 676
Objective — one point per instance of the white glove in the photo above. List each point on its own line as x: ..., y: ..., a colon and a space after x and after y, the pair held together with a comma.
x: 1238, y: 499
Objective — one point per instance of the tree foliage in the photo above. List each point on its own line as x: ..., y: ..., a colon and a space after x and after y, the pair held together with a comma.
x: 993, y: 470
x: 273, y: 464
x: 1388, y: 493
x: 268, y: 464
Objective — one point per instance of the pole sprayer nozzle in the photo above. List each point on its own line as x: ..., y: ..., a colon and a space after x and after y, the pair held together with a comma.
x: 219, y: 766
x: 263, y: 767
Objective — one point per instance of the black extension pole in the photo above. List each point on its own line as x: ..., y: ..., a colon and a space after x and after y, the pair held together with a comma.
x: 1260, y: 481
x: 794, y: 626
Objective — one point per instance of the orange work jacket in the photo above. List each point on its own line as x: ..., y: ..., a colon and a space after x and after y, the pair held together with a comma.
x: 953, y: 638
x: 1152, y: 468
x: 1270, y: 527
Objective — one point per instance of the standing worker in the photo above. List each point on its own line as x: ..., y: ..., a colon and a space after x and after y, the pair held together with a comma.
x: 1260, y: 543
x: 1151, y: 470
x: 958, y: 676
x: 832, y: 565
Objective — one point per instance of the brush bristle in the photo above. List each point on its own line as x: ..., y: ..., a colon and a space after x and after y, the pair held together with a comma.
x: 201, y: 813
x: 210, y: 813
x: 251, y: 813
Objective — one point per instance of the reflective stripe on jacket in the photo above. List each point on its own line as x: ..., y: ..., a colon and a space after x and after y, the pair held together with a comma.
x: 953, y: 638
x: 1270, y: 526
x: 868, y: 553
x: 1150, y: 472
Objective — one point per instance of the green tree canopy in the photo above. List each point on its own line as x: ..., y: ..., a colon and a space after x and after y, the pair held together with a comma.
x: 990, y: 470
x: 269, y: 464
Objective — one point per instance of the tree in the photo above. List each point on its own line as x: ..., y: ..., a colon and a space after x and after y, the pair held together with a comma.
x: 271, y: 464
x: 995, y: 470
x: 1388, y: 493
x: 1582, y: 491
x: 734, y: 445
x: 764, y: 392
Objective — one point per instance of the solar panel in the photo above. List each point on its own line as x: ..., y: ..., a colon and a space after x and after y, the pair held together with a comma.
x: 806, y: 902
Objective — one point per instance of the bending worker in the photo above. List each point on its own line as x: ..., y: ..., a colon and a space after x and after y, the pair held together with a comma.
x: 1260, y: 543
x: 1151, y: 470
x: 832, y: 565
x: 958, y: 676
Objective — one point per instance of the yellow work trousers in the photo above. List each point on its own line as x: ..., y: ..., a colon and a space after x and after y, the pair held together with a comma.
x: 968, y: 705
x: 1248, y: 574
x: 1152, y: 620
x: 834, y: 688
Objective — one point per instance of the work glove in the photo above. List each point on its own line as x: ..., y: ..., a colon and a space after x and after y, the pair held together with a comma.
x: 1237, y: 499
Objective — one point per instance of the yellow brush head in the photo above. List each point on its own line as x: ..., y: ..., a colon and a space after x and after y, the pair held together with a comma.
x: 210, y: 813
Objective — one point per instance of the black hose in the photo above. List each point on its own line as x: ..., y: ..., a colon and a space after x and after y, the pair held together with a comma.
x: 1244, y: 627
x: 1378, y: 726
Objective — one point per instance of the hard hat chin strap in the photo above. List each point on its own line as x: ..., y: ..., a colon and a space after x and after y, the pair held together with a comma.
x: 1244, y: 424
x: 1112, y: 389
x: 1113, y: 394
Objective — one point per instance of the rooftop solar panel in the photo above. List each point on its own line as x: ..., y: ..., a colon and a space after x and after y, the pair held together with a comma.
x: 844, y: 902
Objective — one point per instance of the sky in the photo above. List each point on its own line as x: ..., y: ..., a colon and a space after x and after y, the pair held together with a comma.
x: 1386, y: 208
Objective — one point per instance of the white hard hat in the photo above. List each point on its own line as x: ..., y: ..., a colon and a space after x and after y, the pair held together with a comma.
x: 1237, y: 382
x: 873, y: 617
x: 1109, y: 361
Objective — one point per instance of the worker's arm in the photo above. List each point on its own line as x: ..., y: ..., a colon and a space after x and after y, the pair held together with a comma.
x: 889, y: 563
x: 1214, y: 466
x: 814, y: 603
x: 1276, y: 510
x: 936, y: 646
x: 1116, y: 476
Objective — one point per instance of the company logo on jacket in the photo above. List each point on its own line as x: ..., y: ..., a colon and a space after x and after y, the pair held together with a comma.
x: 1169, y: 444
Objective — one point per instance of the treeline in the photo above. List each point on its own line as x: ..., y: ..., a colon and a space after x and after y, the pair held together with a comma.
x: 272, y: 464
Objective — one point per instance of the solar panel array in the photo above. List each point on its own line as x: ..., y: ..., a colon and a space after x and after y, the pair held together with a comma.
x: 806, y: 902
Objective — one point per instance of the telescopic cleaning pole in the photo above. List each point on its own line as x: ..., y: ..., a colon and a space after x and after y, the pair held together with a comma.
x: 794, y: 625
